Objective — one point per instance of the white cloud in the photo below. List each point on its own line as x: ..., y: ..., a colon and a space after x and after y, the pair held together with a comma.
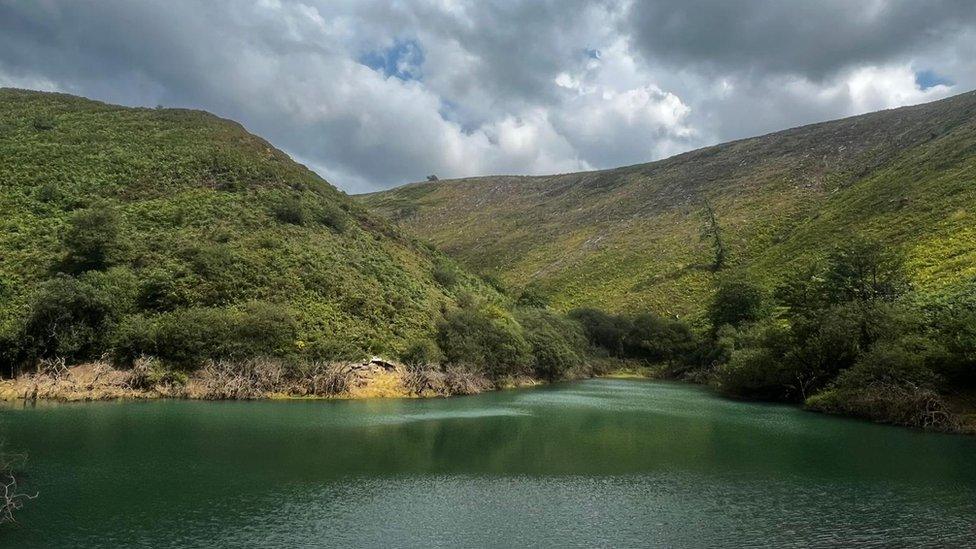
x: 499, y: 86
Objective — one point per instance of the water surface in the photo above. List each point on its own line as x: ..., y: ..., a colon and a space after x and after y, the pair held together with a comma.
x: 600, y: 463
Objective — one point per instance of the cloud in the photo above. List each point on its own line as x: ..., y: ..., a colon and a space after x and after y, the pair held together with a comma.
x: 372, y: 94
x: 810, y: 39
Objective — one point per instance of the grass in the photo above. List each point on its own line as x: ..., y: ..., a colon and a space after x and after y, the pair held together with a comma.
x: 631, y: 238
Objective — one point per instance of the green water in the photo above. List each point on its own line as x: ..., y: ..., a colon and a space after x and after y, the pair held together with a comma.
x: 597, y: 463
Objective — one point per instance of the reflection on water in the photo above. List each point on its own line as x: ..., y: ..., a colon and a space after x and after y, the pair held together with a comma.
x: 595, y: 463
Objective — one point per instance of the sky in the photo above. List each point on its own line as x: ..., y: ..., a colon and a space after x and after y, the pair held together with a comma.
x: 376, y: 93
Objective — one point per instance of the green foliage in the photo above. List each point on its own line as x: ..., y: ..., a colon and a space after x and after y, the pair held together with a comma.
x: 334, y: 217
x: 70, y: 317
x: 890, y: 364
x: 90, y: 238
x: 290, y: 210
x: 646, y: 336
x: 737, y: 301
x: 421, y: 354
x: 205, y: 219
x: 445, y: 275
x: 533, y: 296
x: 43, y: 123
x: 661, y: 339
x: 603, y: 330
x: 485, y: 340
x: 865, y: 270
x: 187, y: 337
x: 557, y: 343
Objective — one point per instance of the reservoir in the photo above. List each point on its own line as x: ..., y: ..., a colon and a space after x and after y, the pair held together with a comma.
x: 597, y: 463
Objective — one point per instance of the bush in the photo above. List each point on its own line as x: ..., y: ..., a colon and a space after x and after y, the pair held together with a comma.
x: 43, y: 122
x: 333, y: 217
x: 188, y: 337
x: 755, y: 363
x: 900, y: 405
x: 445, y: 275
x: 420, y: 354
x: 956, y: 333
x: 660, y: 339
x: 90, y: 238
x: 533, y: 296
x: 605, y: 331
x: 492, y: 344
x: 71, y: 317
x: 737, y: 301
x: 888, y: 364
x: 557, y: 343
x: 290, y: 210
x: 865, y: 270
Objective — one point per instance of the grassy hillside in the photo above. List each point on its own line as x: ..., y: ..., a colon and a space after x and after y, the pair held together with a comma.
x: 117, y: 219
x: 637, y: 238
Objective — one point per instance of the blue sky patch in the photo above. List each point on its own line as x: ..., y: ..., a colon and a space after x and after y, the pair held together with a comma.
x: 928, y: 78
x: 403, y: 60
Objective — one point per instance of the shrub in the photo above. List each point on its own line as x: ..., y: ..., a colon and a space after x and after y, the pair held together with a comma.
x: 533, y: 296
x: 492, y: 344
x: 445, y: 275
x: 888, y: 364
x: 290, y: 210
x: 956, y: 333
x: 757, y: 373
x: 333, y: 217
x: 661, y: 339
x: 188, y: 337
x: 557, y: 343
x: 420, y: 354
x: 737, y: 301
x: 43, y: 122
x: 90, y: 238
x: 900, y: 405
x: 865, y: 270
x: 603, y: 330
x: 71, y: 317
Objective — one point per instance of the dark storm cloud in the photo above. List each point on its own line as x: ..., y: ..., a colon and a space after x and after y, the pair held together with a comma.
x: 813, y: 39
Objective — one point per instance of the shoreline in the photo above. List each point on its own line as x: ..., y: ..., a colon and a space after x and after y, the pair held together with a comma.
x: 376, y: 379
x: 97, y: 381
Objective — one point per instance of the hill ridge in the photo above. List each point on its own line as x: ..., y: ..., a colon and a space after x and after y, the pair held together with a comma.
x: 570, y: 232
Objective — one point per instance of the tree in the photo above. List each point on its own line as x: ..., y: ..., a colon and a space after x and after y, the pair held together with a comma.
x: 714, y: 232
x: 557, y: 343
x: 492, y: 344
x: 90, y: 238
x: 603, y: 330
x: 737, y: 301
x: 865, y: 270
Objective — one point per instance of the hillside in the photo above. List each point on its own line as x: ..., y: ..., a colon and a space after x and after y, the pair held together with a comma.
x: 118, y: 221
x: 635, y: 238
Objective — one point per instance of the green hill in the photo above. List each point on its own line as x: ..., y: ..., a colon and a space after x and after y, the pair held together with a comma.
x: 637, y: 238
x: 146, y: 228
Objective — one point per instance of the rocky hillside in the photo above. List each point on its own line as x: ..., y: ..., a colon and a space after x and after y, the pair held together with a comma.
x: 640, y: 237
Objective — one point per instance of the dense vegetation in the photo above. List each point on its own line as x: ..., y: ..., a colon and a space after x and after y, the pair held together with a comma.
x: 658, y: 236
x: 178, y: 235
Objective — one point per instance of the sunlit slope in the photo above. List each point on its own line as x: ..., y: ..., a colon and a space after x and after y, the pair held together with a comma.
x: 208, y: 216
x: 634, y: 237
